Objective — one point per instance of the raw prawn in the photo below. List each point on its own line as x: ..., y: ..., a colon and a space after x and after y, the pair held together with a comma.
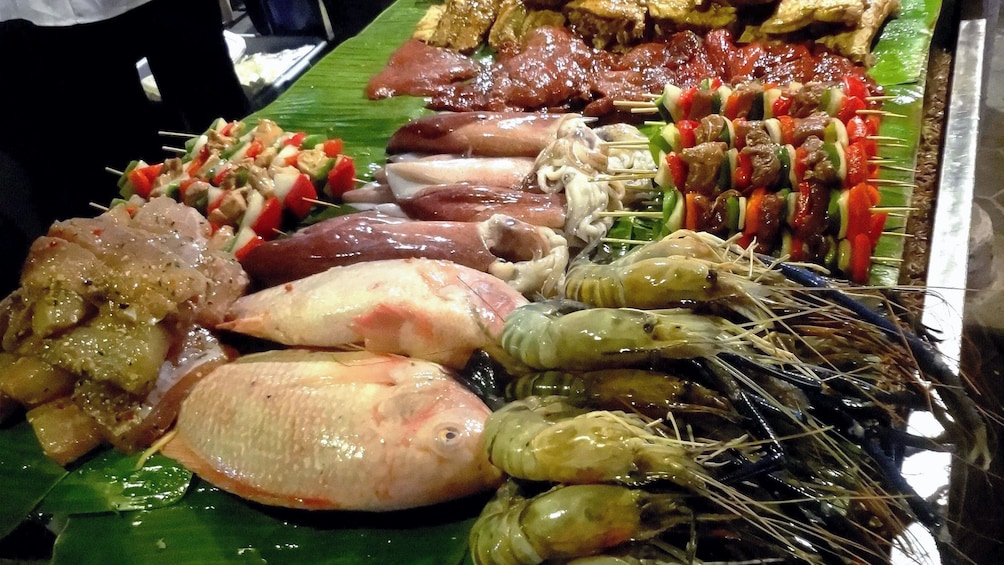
x: 434, y: 310
x: 548, y: 439
x: 569, y: 521
x: 651, y: 393
x: 570, y: 336
x: 334, y: 430
x: 683, y: 266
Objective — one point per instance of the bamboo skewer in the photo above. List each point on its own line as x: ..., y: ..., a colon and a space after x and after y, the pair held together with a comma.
x: 177, y: 150
x: 115, y: 172
x: 177, y: 134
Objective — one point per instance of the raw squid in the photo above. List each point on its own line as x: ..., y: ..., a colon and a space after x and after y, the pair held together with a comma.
x: 407, y: 177
x: 473, y: 203
x: 335, y: 430
x: 530, y: 258
x: 487, y: 134
x: 434, y: 310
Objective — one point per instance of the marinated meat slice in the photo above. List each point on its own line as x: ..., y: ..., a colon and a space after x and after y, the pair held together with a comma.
x: 710, y: 128
x: 812, y: 125
x: 857, y: 44
x: 464, y: 24
x: 673, y: 15
x: 806, y: 99
x: 793, y: 15
x: 607, y: 23
x: 818, y: 166
x: 515, y: 20
x: 772, y: 217
x: 418, y: 69
x: 746, y: 95
x: 761, y: 150
x: 713, y: 212
x: 704, y: 163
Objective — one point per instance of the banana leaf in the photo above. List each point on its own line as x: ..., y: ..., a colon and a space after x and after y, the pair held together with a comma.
x: 112, y: 513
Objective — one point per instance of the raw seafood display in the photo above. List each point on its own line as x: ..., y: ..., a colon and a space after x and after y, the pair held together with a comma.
x: 262, y: 427
x: 787, y: 448
x: 790, y: 457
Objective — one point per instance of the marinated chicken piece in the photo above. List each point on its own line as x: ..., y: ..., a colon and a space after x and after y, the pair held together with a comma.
x: 793, y: 15
x: 426, y: 27
x: 465, y: 24
x: 857, y: 44
x: 515, y: 20
x: 606, y: 24
x: 674, y: 15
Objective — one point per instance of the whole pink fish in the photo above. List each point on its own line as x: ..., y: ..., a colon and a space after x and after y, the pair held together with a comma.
x: 326, y: 430
x: 431, y: 309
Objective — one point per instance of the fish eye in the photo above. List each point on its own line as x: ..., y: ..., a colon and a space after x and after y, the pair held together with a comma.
x: 449, y: 434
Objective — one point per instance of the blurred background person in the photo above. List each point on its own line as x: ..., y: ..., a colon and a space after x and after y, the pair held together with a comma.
x: 73, y: 103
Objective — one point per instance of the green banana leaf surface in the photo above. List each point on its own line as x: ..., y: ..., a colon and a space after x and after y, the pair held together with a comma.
x: 113, y: 508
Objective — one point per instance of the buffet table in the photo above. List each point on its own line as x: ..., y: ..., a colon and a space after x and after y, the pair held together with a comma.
x: 329, y: 97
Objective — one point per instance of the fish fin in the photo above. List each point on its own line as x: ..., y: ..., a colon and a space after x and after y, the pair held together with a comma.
x: 182, y: 452
x: 382, y: 327
x: 252, y: 325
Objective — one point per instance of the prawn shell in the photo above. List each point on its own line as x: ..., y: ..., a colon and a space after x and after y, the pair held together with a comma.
x: 335, y: 430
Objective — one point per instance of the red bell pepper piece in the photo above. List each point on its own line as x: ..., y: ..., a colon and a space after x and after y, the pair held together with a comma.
x: 849, y: 107
x: 270, y: 220
x: 333, y: 147
x: 691, y: 215
x: 781, y: 106
x: 858, y: 169
x: 687, y: 136
x: 743, y: 173
x: 860, y: 200
x: 686, y: 101
x: 861, y: 258
x: 677, y: 170
x: 753, y: 205
x: 855, y: 86
x: 801, y: 154
x: 254, y: 149
x: 297, y: 201
x: 241, y: 253
x: 341, y: 177
x: 141, y: 184
x: 296, y: 139
x: 787, y: 129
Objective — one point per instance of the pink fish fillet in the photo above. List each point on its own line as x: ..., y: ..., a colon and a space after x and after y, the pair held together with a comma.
x: 430, y: 309
x: 325, y: 430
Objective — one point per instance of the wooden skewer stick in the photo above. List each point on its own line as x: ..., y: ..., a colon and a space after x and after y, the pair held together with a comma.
x: 628, y: 143
x: 893, y: 182
x: 177, y: 150
x: 630, y: 176
x: 883, y: 138
x: 887, y: 260
x: 623, y: 241
x: 879, y: 98
x: 893, y: 209
x: 881, y: 112
x: 629, y: 214
x: 633, y: 104
x: 892, y: 144
x: 98, y: 206
x: 894, y: 167
x: 114, y: 171
x: 321, y: 202
x: 649, y: 110
x: 897, y: 234
x: 177, y: 134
